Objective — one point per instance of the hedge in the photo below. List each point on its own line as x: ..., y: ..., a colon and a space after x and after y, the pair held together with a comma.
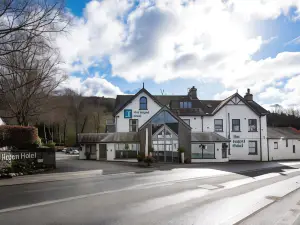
x: 20, y: 137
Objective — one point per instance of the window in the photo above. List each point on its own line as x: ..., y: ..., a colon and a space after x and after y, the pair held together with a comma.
x: 218, y: 125
x: 133, y: 125
x: 294, y: 149
x: 187, y: 121
x: 126, y: 151
x: 252, y: 125
x: 203, y: 151
x: 286, y: 143
x: 186, y: 105
x: 252, y: 147
x: 143, y: 103
x: 275, y: 145
x: 164, y: 118
x: 236, y: 125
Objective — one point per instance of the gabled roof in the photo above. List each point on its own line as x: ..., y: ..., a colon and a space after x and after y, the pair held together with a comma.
x: 199, y: 107
x: 251, y: 104
x: 282, y: 132
x: 168, y: 110
x: 123, y: 100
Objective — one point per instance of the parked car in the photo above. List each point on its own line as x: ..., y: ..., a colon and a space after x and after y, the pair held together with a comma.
x: 68, y: 150
x: 64, y: 150
x: 74, y: 152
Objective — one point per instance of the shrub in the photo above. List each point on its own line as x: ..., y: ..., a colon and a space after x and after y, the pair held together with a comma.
x: 51, y: 144
x: 150, y: 149
x: 181, y: 149
x: 38, y: 142
x: 20, y: 137
x: 149, y: 160
x: 140, y: 157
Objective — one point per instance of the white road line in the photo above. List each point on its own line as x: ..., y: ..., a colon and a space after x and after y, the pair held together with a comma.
x: 199, y: 192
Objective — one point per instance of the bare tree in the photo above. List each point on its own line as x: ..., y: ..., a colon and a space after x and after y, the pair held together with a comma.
x: 23, y: 21
x: 27, y: 79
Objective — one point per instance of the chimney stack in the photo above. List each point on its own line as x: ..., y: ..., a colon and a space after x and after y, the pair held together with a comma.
x: 248, y: 96
x: 193, y: 93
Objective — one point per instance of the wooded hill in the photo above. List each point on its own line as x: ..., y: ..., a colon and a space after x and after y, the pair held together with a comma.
x: 65, y: 115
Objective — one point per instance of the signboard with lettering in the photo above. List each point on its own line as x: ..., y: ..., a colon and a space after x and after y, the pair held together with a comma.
x: 238, y: 143
x: 128, y: 113
x: 140, y: 113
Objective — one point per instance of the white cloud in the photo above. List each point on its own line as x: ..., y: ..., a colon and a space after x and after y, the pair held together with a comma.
x: 272, y: 92
x: 91, y: 86
x: 165, y: 39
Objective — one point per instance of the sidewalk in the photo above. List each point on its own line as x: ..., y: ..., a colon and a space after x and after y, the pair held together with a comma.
x: 219, y: 169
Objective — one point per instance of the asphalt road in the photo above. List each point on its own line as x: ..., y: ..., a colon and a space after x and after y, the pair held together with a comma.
x: 163, y: 197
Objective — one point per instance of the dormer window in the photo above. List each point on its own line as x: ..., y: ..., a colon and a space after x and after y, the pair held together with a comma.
x: 143, y: 103
x: 185, y: 105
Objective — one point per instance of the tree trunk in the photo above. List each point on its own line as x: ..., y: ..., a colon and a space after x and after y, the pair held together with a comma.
x: 45, y: 134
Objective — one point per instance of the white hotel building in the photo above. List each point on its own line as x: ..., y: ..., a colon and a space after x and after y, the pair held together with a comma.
x: 209, y: 130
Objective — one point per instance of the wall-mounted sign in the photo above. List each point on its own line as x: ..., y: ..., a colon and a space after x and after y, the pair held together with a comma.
x: 140, y: 113
x: 236, y: 136
x: 127, y: 113
x: 238, y: 143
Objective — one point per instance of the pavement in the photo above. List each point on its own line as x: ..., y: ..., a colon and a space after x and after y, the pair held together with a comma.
x: 178, y: 197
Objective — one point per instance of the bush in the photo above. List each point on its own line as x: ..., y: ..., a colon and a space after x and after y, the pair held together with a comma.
x: 181, y: 149
x: 20, y: 137
x: 140, y: 157
x: 51, y: 144
x: 149, y: 160
x: 38, y: 142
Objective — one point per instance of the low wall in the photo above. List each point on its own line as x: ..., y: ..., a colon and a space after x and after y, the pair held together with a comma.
x: 41, y: 157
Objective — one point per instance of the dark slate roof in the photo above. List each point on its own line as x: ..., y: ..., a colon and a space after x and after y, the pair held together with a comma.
x: 283, y: 132
x: 91, y: 137
x: 108, y: 137
x: 199, y: 107
x: 208, y: 137
x: 122, y: 137
x: 257, y: 107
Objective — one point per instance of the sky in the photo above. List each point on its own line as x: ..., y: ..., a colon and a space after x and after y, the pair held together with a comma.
x: 218, y: 46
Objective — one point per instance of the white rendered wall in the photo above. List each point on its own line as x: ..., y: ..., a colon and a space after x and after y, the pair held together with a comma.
x: 242, y: 112
x: 122, y: 124
x: 110, y: 151
x: 195, y: 122
x: 283, y: 152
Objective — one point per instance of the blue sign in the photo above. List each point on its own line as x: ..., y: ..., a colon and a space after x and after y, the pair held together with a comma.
x: 127, y: 113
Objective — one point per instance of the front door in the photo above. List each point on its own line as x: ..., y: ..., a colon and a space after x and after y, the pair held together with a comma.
x: 102, y: 151
x: 165, y: 145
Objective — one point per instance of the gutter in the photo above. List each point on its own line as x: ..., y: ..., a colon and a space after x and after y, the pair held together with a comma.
x: 260, y: 138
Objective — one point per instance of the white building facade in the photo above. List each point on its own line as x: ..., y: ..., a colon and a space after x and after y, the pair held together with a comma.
x: 208, y: 130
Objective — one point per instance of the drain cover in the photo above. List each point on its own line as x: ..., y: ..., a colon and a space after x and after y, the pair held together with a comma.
x: 208, y: 186
x: 274, y: 198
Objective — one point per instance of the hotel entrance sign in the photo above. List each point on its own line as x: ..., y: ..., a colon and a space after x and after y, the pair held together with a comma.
x: 128, y: 113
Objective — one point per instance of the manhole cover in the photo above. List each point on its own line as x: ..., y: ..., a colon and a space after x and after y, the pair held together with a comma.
x: 208, y: 186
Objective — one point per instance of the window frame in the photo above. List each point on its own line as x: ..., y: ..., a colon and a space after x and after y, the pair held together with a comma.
x: 255, y: 125
x: 294, y: 148
x: 286, y: 142
x: 201, y: 151
x: 144, y: 104
x: 233, y: 125
x: 131, y: 125
x: 252, y: 153
x: 215, y: 125
x: 128, y: 152
x: 185, y: 105
x: 275, y: 145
